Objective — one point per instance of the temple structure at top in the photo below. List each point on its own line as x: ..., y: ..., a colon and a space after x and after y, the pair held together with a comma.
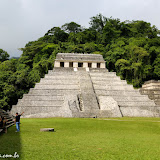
x: 76, y: 60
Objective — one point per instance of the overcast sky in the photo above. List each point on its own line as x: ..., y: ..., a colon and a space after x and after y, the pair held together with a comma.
x: 22, y: 21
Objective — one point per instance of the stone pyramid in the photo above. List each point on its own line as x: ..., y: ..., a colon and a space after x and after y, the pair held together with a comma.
x: 81, y: 86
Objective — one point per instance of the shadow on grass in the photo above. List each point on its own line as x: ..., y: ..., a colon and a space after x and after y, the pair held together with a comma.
x: 10, y: 144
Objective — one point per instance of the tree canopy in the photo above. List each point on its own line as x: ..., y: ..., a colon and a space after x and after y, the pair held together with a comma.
x: 3, y: 55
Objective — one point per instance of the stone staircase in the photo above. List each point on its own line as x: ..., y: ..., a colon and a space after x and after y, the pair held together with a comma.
x: 110, y: 89
x: 10, y: 119
x: 90, y: 106
x: 50, y: 97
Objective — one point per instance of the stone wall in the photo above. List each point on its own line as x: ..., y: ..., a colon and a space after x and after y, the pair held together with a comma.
x: 152, y: 89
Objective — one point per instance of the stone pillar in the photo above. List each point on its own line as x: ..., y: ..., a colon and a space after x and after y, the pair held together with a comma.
x: 66, y: 64
x: 75, y: 64
x: 102, y: 65
x: 85, y: 65
x: 94, y: 65
x: 56, y: 64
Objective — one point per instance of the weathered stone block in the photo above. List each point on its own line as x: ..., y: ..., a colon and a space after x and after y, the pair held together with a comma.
x: 108, y: 103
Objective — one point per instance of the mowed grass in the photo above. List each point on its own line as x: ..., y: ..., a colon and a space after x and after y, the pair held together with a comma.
x: 85, y: 139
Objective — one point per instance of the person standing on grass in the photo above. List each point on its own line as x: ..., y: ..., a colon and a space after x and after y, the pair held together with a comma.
x: 17, y: 121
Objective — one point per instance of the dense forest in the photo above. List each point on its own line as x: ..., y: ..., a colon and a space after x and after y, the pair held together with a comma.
x: 131, y: 48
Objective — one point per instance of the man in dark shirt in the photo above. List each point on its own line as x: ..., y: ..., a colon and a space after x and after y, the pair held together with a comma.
x: 17, y: 121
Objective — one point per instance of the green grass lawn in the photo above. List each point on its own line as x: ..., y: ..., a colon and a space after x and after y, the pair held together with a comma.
x: 84, y: 139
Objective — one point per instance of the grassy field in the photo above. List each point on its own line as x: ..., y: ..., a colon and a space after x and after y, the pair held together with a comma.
x: 84, y: 139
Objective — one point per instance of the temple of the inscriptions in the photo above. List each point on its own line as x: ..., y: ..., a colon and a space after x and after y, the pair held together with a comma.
x: 80, y: 86
x: 79, y: 60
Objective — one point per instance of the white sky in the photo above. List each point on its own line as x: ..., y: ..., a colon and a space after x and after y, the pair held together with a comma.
x: 22, y: 21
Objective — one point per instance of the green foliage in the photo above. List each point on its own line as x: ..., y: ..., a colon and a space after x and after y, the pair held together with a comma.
x: 131, y: 48
x: 55, y: 35
x: 3, y: 55
x: 9, y: 65
x: 98, y: 23
x: 34, y: 76
x: 72, y: 27
x: 157, y: 67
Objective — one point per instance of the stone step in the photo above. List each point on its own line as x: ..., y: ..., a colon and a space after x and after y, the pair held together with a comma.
x: 106, y: 75
x: 88, y: 113
x: 153, y: 96
x: 98, y: 70
x: 105, y: 78
x: 117, y: 92
x: 50, y: 81
x: 60, y: 77
x: 53, y: 91
x: 62, y: 73
x: 113, y: 84
x: 63, y: 69
x: 150, y: 91
x: 140, y: 98
x: 74, y: 74
x: 42, y: 97
x: 137, y: 111
x: 10, y: 119
x: 22, y: 102
x: 155, y: 85
x: 111, y: 87
x: 41, y: 111
x: 65, y: 87
x: 136, y: 104
x: 119, y: 87
x: 9, y: 125
x: 95, y: 114
x: 151, y: 82
x: 102, y: 73
x: 6, y: 116
x: 109, y: 82
x: 60, y: 70
x: 9, y: 122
